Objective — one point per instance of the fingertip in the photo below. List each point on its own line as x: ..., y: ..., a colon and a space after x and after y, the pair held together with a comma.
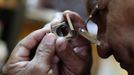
x: 61, y: 43
x: 50, y: 36
x: 49, y: 39
x: 67, y: 11
x: 47, y: 28
x: 75, y: 18
x: 71, y: 13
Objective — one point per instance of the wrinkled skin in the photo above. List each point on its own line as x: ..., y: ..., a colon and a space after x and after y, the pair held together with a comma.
x: 54, y: 56
x: 115, y: 19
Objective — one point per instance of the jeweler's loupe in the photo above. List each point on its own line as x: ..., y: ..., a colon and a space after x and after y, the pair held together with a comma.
x: 64, y: 29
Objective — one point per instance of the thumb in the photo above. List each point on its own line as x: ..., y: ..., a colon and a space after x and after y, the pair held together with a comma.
x: 45, y: 53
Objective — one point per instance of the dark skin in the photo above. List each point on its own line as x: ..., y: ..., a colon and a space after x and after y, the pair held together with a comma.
x: 54, y: 56
x: 116, y: 28
x: 115, y: 23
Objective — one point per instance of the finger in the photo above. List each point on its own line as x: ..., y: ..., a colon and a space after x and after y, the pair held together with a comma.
x: 75, y: 17
x: 76, y: 20
x: 22, y: 51
x: 68, y: 57
x: 45, y: 52
x: 81, y: 45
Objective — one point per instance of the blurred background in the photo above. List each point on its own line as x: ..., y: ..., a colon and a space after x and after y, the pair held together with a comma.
x: 18, y: 18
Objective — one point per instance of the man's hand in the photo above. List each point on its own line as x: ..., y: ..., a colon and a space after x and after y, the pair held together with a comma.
x: 56, y: 56
x: 19, y: 62
x: 75, y: 54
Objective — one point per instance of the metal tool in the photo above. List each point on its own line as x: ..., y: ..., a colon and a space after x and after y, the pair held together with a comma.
x: 66, y: 29
x: 88, y: 36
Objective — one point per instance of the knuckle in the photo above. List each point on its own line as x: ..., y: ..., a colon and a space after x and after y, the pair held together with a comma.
x: 42, y: 51
x: 41, y: 68
x: 49, y: 46
x: 22, y: 45
x: 61, y: 50
x: 32, y: 36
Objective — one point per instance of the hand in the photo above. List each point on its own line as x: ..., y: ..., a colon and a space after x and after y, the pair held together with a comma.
x: 19, y: 62
x: 74, y: 56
